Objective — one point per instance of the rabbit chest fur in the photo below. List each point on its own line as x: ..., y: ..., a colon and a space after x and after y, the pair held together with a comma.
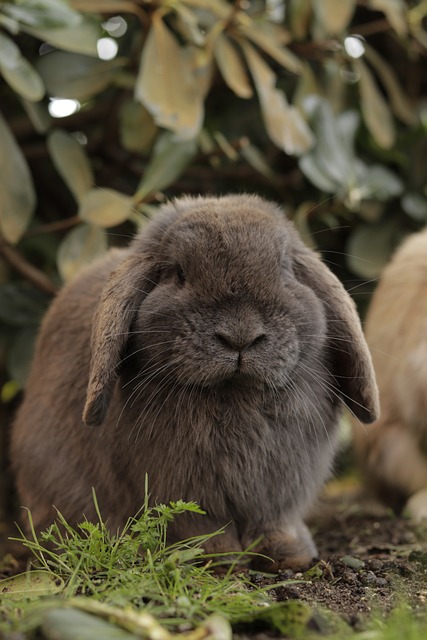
x: 214, y: 354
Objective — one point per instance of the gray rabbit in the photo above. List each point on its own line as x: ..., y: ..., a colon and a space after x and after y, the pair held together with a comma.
x: 214, y: 354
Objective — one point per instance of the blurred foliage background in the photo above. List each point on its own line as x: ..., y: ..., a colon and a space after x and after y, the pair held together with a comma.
x: 107, y: 107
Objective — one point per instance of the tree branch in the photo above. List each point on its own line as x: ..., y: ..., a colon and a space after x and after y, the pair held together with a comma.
x: 31, y: 273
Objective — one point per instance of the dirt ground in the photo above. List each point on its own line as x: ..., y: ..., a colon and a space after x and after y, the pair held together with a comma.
x: 371, y: 560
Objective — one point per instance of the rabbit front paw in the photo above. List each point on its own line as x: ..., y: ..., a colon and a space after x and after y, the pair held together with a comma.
x: 290, y: 548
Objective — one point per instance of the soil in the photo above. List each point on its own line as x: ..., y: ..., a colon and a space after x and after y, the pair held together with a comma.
x: 371, y: 560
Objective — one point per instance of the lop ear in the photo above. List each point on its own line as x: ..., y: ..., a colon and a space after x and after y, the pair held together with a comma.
x: 351, y: 360
x: 128, y: 285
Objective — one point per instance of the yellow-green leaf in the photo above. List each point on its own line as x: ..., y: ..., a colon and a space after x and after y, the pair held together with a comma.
x: 80, y: 247
x: 284, y: 123
x: 231, y: 66
x: 273, y: 47
x: 137, y: 127
x: 395, y: 11
x: 31, y: 584
x: 332, y: 16
x: 71, y: 162
x: 18, y: 72
x: 17, y: 195
x: 300, y: 13
x: 168, y: 161
x: 171, y: 83
x: 219, y: 8
x: 105, y: 207
x: 399, y: 102
x: 375, y: 110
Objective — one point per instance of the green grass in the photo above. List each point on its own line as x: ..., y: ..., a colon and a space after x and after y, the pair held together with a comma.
x: 90, y: 569
x: 86, y: 583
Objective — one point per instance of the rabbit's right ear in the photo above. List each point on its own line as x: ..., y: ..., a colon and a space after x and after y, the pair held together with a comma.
x: 128, y: 285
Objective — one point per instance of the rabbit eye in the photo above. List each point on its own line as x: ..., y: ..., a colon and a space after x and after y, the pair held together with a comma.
x: 180, y: 274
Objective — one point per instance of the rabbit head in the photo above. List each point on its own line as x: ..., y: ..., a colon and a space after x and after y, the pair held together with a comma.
x: 222, y: 291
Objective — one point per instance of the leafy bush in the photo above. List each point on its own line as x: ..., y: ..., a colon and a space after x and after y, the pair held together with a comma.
x: 317, y: 104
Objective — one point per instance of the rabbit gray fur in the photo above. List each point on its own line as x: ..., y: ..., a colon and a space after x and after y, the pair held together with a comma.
x: 215, y: 354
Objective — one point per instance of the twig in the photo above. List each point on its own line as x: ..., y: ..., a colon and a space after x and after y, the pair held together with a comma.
x: 31, y: 273
x: 49, y: 227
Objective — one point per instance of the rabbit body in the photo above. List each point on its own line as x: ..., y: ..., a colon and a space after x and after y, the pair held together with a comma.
x: 203, y: 352
x: 393, y: 451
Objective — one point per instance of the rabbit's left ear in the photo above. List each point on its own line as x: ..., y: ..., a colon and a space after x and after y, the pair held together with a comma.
x: 127, y: 287
x: 351, y: 360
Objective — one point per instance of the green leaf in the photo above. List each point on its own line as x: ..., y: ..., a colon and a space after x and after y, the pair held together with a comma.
x: 169, y: 159
x: 79, y: 248
x: 20, y: 354
x: 257, y: 160
x: 333, y: 153
x: 332, y: 16
x: 415, y: 205
x: 17, y: 195
x: 378, y: 182
x: 42, y: 13
x: 375, y: 110
x: 231, y: 66
x: 105, y: 207
x: 38, y: 114
x: 370, y: 247
x: 18, y: 72
x: 21, y: 306
x: 317, y: 175
x: 71, y: 162
x: 72, y: 75
x: 31, y: 584
x: 284, y: 123
x: 70, y: 624
x: 137, y: 128
x: 172, y: 81
x: 81, y: 39
x: 10, y: 24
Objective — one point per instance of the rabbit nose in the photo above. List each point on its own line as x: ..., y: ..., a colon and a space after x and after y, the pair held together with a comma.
x: 239, y: 342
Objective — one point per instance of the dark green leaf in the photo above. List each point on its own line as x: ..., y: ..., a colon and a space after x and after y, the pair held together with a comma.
x: 42, y: 13
x: 72, y: 75
x: 20, y: 354
x: 81, y: 39
x: 18, y: 72
x: 21, y: 306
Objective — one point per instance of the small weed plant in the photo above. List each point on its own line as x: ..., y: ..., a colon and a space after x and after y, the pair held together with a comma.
x: 134, y: 576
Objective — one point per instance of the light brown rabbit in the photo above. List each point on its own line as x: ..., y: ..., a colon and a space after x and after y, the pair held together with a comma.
x: 393, y: 451
x: 215, y: 355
